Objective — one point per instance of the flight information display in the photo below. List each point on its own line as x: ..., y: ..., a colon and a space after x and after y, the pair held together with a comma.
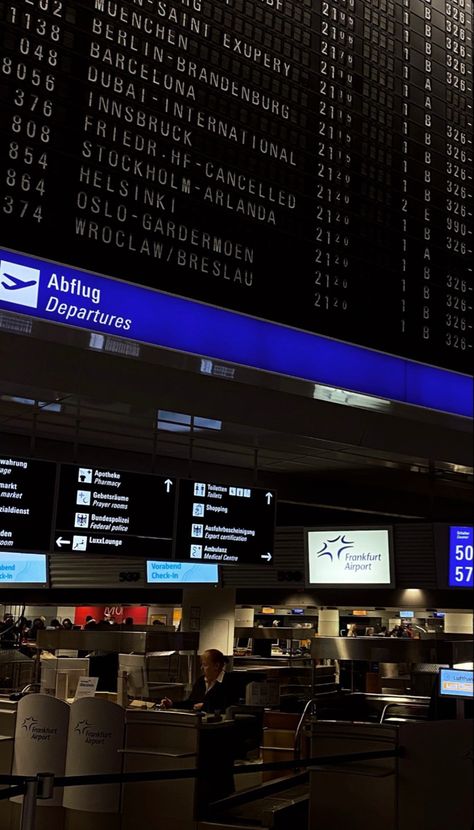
x: 302, y: 161
x: 112, y: 511
x: 225, y: 524
x: 26, y: 503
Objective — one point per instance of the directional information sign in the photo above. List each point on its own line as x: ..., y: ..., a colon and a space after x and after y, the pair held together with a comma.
x: 224, y: 523
x: 26, y: 503
x: 114, y: 511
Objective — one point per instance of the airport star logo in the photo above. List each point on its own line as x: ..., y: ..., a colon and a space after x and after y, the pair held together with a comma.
x: 341, y: 544
x: 82, y: 726
x: 28, y: 723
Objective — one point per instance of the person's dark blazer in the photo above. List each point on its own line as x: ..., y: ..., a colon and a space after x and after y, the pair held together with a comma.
x: 218, y: 698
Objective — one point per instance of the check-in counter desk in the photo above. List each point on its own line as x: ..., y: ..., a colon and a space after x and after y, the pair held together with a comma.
x: 35, y: 735
x: 175, y: 740
x: 428, y: 786
x: 430, y: 779
x: 401, y: 665
x: 7, y: 738
x: 154, y: 741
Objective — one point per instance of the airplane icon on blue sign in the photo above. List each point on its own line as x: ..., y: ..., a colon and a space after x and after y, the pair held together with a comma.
x: 19, y: 284
x: 16, y: 283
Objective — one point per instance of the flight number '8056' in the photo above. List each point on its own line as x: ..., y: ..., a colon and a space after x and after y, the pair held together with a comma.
x: 27, y: 73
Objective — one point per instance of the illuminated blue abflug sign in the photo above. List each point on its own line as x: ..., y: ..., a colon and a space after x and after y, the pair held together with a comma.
x: 61, y: 294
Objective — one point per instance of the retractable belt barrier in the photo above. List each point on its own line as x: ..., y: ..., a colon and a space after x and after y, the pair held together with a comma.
x: 42, y: 785
x: 166, y: 775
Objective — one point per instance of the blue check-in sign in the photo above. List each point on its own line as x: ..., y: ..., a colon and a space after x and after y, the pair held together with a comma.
x: 61, y: 294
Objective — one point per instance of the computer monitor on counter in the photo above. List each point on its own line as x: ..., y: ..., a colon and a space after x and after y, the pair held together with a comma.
x: 457, y: 685
x: 134, y: 667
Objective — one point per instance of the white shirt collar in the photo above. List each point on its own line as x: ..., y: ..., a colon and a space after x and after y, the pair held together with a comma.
x: 219, y: 679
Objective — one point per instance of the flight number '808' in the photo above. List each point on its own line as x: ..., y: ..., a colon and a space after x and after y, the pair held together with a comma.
x: 30, y: 129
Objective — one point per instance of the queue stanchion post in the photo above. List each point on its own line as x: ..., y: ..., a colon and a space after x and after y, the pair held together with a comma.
x: 28, y: 809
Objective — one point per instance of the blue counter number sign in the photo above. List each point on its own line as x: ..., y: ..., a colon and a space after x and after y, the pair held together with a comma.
x: 461, y: 541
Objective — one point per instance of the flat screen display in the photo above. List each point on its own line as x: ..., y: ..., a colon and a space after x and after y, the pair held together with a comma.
x: 181, y: 573
x: 407, y: 615
x: 456, y: 683
x: 345, y: 556
x: 461, y: 541
x: 224, y: 523
x: 23, y: 570
x: 114, y: 511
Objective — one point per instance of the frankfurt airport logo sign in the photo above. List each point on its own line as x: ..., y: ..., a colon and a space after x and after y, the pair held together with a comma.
x: 349, y: 557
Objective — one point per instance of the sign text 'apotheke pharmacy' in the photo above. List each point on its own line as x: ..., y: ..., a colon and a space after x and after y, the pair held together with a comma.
x: 341, y: 556
x: 225, y: 523
x: 114, y: 511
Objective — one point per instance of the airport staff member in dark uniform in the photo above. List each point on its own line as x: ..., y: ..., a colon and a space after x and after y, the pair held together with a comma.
x: 213, y: 691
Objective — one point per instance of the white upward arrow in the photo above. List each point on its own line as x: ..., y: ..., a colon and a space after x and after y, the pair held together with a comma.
x: 60, y: 541
x: 266, y: 556
x: 268, y: 497
x: 168, y: 484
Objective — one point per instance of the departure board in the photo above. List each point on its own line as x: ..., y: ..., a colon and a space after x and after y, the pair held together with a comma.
x: 304, y: 161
